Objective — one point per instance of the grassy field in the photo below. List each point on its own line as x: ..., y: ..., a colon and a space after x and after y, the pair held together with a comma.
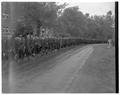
x: 98, y: 73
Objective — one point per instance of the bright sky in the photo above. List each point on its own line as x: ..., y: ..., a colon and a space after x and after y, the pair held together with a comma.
x: 98, y: 8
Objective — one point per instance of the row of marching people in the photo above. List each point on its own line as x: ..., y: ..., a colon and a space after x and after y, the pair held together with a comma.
x: 32, y: 45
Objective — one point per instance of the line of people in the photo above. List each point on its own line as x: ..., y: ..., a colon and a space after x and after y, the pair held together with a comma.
x: 32, y: 45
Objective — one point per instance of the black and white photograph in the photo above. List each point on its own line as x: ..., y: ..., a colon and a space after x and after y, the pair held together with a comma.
x: 59, y: 47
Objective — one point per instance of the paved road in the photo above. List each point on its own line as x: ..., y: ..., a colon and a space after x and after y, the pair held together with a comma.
x: 59, y: 78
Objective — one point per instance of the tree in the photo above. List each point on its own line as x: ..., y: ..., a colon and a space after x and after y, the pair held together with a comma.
x: 72, y: 21
x: 87, y: 15
x: 38, y: 14
x: 63, y: 21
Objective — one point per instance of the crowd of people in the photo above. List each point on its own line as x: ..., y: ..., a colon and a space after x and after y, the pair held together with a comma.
x: 32, y: 45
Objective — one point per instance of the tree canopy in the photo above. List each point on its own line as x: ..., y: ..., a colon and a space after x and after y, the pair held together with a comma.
x: 65, y: 22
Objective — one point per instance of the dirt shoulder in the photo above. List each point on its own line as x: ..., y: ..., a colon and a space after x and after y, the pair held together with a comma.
x: 98, y: 73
